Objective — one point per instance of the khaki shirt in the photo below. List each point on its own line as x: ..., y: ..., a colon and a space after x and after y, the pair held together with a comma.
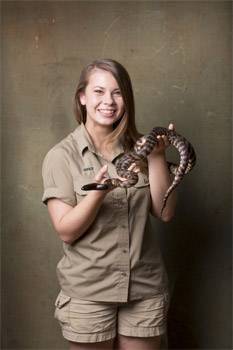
x: 117, y: 259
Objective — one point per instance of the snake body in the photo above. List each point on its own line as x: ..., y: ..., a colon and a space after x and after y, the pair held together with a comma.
x: 142, y: 148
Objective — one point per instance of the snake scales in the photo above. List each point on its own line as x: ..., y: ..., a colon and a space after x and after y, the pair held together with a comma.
x: 142, y: 148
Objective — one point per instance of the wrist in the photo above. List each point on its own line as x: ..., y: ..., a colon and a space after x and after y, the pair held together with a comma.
x: 156, y: 155
x: 97, y: 195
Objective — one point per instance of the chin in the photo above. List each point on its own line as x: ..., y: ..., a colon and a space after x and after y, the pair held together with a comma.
x: 108, y: 122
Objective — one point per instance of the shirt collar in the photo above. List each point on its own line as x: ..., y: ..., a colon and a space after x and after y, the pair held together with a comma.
x: 83, y: 139
x: 84, y: 142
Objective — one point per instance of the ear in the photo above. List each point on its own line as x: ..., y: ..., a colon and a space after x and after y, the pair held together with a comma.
x: 82, y: 98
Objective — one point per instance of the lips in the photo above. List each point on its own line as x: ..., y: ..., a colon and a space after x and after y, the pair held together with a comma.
x: 107, y: 112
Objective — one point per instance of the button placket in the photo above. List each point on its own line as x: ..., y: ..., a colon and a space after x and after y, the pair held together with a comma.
x: 124, y: 262
x: 120, y: 203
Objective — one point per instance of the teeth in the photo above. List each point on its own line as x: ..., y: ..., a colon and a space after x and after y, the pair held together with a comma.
x: 107, y: 112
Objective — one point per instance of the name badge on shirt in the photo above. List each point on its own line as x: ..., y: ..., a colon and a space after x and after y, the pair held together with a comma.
x: 88, y: 169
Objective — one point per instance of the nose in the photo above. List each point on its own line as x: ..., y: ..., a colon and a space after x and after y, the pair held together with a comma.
x: 108, y: 98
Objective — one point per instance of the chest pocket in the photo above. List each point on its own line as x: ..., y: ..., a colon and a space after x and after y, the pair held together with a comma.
x: 78, y: 184
x: 143, y: 184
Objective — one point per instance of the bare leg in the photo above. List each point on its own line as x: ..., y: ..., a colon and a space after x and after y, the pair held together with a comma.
x: 138, y: 343
x: 92, y: 346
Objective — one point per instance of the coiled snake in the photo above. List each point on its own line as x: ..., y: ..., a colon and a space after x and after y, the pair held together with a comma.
x: 142, y: 148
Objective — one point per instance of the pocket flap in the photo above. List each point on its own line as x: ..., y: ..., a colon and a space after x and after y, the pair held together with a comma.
x: 79, y: 183
x: 62, y: 300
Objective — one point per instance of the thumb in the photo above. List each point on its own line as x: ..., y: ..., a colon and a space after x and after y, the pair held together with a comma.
x: 101, y: 173
x: 171, y: 126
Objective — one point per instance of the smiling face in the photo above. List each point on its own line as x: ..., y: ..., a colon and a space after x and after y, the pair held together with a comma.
x: 103, y: 100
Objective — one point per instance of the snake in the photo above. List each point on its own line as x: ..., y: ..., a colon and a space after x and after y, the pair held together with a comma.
x: 141, y: 149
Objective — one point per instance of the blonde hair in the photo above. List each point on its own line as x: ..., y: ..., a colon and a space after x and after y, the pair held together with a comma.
x: 125, y: 128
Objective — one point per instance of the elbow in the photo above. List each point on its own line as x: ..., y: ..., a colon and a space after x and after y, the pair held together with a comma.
x: 66, y: 239
x: 66, y: 236
x: 167, y: 215
x: 166, y: 218
x: 69, y: 237
x: 168, y: 211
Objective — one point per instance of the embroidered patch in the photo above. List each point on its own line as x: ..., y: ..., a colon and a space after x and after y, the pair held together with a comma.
x: 87, y: 169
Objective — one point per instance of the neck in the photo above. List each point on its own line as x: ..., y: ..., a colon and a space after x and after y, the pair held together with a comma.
x: 98, y: 134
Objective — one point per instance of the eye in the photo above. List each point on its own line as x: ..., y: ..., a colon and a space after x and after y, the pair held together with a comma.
x: 98, y: 91
x: 117, y: 92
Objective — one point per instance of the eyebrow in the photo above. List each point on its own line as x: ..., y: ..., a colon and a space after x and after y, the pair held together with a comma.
x: 101, y: 87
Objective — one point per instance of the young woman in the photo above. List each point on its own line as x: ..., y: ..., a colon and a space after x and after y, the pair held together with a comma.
x: 112, y: 278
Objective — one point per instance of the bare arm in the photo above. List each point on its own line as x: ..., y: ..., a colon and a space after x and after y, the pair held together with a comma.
x: 72, y: 222
x: 160, y: 180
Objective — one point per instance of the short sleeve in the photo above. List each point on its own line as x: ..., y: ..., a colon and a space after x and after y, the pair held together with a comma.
x: 57, y: 178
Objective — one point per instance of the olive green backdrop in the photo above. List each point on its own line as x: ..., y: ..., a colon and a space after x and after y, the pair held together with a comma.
x: 178, y: 54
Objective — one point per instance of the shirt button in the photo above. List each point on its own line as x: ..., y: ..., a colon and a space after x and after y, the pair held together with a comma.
x: 124, y: 250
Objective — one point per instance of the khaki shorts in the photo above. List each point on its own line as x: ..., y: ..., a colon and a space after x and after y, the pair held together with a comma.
x: 88, y: 321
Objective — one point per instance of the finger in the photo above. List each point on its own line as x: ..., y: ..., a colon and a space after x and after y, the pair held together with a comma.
x: 132, y: 166
x: 165, y: 140
x: 101, y: 173
x: 162, y: 142
x: 136, y: 170
x: 122, y: 178
x: 160, y: 139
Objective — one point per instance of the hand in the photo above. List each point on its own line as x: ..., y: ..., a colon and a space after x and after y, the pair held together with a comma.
x: 102, y: 174
x: 135, y: 167
x: 163, y: 142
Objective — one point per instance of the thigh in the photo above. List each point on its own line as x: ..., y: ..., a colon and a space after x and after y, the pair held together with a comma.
x: 86, y: 322
x: 138, y: 343
x: 91, y: 346
x: 144, y: 318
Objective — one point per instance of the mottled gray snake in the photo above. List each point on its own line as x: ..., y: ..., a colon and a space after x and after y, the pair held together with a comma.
x: 142, y: 148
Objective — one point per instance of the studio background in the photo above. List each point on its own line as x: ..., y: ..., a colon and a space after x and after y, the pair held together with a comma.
x: 178, y: 54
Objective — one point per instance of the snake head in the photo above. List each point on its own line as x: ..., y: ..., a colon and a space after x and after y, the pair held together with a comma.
x: 94, y: 186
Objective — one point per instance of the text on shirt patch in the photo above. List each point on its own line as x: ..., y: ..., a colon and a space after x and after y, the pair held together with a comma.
x: 87, y: 169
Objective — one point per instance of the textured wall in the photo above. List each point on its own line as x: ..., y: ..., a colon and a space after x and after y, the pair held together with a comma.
x: 179, y: 57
